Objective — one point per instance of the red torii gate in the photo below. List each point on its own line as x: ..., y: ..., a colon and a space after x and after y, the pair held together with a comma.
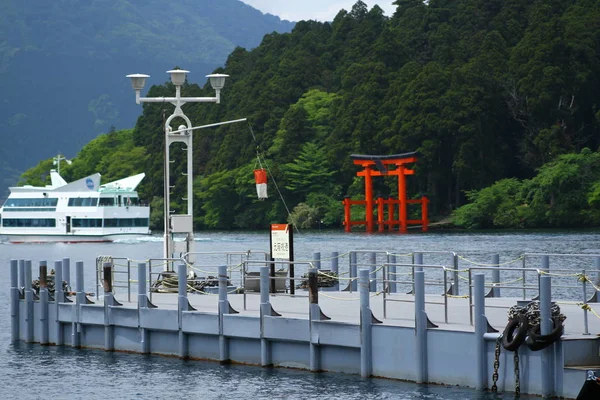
x: 382, y: 164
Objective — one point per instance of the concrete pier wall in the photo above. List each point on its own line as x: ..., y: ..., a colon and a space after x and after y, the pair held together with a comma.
x: 311, y: 342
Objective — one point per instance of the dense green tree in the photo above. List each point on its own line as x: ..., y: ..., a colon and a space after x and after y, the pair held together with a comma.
x: 492, y: 94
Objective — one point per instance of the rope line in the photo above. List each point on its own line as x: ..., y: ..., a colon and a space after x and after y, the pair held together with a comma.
x: 490, y: 265
x: 271, y: 174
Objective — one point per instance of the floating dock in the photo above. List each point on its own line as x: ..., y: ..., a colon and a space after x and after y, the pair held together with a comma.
x: 366, y: 323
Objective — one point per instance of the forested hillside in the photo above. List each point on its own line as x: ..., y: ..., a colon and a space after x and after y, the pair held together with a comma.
x: 483, y: 89
x: 63, y: 64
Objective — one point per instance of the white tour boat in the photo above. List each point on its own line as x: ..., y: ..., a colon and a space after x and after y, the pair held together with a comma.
x: 80, y: 211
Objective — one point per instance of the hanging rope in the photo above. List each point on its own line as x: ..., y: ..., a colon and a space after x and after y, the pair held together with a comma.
x: 270, y: 173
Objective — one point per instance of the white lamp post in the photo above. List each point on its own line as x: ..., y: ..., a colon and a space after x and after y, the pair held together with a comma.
x: 178, y: 223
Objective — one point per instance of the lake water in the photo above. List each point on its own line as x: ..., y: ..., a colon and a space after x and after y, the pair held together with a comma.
x: 35, y: 372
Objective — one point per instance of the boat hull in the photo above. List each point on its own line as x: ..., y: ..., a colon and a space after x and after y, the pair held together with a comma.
x: 71, y: 238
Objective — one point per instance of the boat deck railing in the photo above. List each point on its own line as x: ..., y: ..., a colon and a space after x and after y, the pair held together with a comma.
x: 393, y: 281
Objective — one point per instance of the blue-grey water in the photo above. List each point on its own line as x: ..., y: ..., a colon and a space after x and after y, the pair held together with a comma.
x: 36, y: 372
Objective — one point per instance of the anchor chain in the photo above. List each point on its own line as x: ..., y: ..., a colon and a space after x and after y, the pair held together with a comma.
x: 517, y: 380
x: 496, y: 364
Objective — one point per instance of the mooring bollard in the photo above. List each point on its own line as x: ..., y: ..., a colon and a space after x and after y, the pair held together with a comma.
x: 418, y: 261
x: 420, y: 327
x: 142, y: 287
x: 59, y: 296
x: 353, y: 274
x: 456, y: 279
x: 545, y: 329
x: 14, y: 300
x: 22, y: 277
x: 366, y: 341
x: 480, y: 329
x: 66, y: 267
x: 143, y: 304
x: 29, y: 302
x: 223, y: 310
x: 372, y: 272
x: 335, y: 269
x: 265, y: 310
x: 109, y: 301
x: 314, y: 314
x: 80, y: 299
x: 496, y: 274
x: 391, y: 259
x: 44, y: 328
x: 182, y: 305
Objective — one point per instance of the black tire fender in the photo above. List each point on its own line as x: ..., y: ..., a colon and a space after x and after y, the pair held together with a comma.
x: 536, y: 342
x: 511, y: 340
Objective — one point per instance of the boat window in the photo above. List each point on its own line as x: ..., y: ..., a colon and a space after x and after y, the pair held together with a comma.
x: 83, y: 202
x: 29, y: 209
x: 86, y: 222
x: 125, y: 222
x: 39, y: 202
x: 29, y: 222
x: 106, y: 201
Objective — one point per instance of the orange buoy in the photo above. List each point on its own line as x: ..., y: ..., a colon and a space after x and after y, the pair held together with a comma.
x: 260, y: 177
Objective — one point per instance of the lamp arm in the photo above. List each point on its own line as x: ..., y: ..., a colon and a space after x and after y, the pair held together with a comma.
x: 174, y: 99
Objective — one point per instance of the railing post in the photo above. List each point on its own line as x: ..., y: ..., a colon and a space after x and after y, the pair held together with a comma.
x: 314, y: 315
x: 143, y: 304
x: 14, y: 300
x: 480, y: 329
x: 372, y: 271
x: 335, y: 268
x: 182, y: 305
x: 546, y: 328
x: 420, y: 328
x: 29, y: 334
x: 586, y: 330
x: 59, y: 296
x: 353, y: 275
x: 391, y: 259
x: 109, y: 301
x: 597, y: 280
x: 44, y: 303
x: 223, y: 310
x: 496, y: 274
x: 455, y: 287
x: 366, y: 341
x: 80, y: 299
x: 265, y: 310
x: 317, y: 260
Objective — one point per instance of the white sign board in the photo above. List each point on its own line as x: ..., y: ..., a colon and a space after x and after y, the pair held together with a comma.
x: 280, y: 241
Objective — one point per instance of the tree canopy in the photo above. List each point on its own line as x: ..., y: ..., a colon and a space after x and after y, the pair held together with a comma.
x: 496, y: 96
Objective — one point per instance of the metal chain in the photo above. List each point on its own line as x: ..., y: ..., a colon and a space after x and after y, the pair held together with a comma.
x: 496, y: 364
x: 517, y: 380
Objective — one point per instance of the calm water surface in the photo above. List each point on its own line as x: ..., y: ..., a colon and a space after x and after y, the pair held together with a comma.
x: 35, y: 372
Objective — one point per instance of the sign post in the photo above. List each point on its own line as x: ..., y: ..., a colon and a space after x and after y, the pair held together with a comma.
x: 282, y: 246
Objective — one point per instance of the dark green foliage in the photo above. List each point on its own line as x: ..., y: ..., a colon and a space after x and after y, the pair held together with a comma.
x: 489, y: 92
x: 564, y: 193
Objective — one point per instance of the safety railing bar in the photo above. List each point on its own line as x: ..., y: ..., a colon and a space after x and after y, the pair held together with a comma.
x: 371, y: 251
x: 436, y: 252
x: 558, y: 255
x: 520, y: 287
x: 404, y: 265
x: 412, y: 301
